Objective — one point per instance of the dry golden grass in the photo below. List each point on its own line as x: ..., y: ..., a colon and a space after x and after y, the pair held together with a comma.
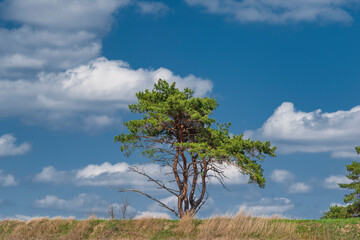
x: 186, y: 226
x: 246, y: 227
x: 222, y: 227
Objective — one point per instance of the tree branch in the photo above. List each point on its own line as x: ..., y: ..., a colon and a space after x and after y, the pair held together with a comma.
x: 147, y: 195
x: 158, y: 182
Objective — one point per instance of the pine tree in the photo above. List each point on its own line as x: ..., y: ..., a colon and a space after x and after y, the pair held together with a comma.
x: 176, y: 131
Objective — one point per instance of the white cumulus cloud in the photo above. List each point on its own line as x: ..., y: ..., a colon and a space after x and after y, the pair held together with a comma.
x: 81, y: 14
x: 296, y: 131
x: 299, y: 187
x: 92, y: 171
x: 332, y: 182
x: 232, y: 175
x: 52, y: 35
x: 105, y: 174
x: 50, y: 174
x: 7, y: 180
x: 51, y: 72
x: 153, y: 8
x: 279, y: 12
x: 9, y: 148
x: 267, y: 206
x: 281, y: 176
x: 26, y: 51
x: 84, y: 202
x: 90, y: 94
x: 287, y: 179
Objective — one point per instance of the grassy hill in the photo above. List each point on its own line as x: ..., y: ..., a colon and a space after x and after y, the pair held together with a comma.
x: 238, y: 227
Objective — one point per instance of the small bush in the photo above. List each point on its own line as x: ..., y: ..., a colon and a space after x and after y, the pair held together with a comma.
x: 337, y: 212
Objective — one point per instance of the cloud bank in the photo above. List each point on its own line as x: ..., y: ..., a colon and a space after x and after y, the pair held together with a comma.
x: 52, y: 35
x: 312, y: 132
x: 90, y: 94
x: 83, y: 14
x: 105, y: 174
x: 118, y: 174
x: 51, y: 72
x: 279, y: 12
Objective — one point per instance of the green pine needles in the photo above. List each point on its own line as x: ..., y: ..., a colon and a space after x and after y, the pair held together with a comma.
x: 353, y: 199
x: 176, y: 131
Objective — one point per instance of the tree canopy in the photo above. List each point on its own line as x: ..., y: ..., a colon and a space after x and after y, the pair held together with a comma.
x: 176, y: 131
x: 352, y: 199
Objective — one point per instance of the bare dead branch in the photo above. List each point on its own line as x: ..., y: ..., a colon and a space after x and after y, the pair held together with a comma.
x: 158, y: 182
x: 148, y: 196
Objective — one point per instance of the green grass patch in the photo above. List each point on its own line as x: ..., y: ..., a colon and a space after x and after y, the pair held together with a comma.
x: 327, y: 228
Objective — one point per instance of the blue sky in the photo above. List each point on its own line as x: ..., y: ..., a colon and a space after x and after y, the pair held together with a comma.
x: 284, y: 71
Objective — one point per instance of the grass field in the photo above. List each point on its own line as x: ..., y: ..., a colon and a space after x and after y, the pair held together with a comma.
x: 238, y: 227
